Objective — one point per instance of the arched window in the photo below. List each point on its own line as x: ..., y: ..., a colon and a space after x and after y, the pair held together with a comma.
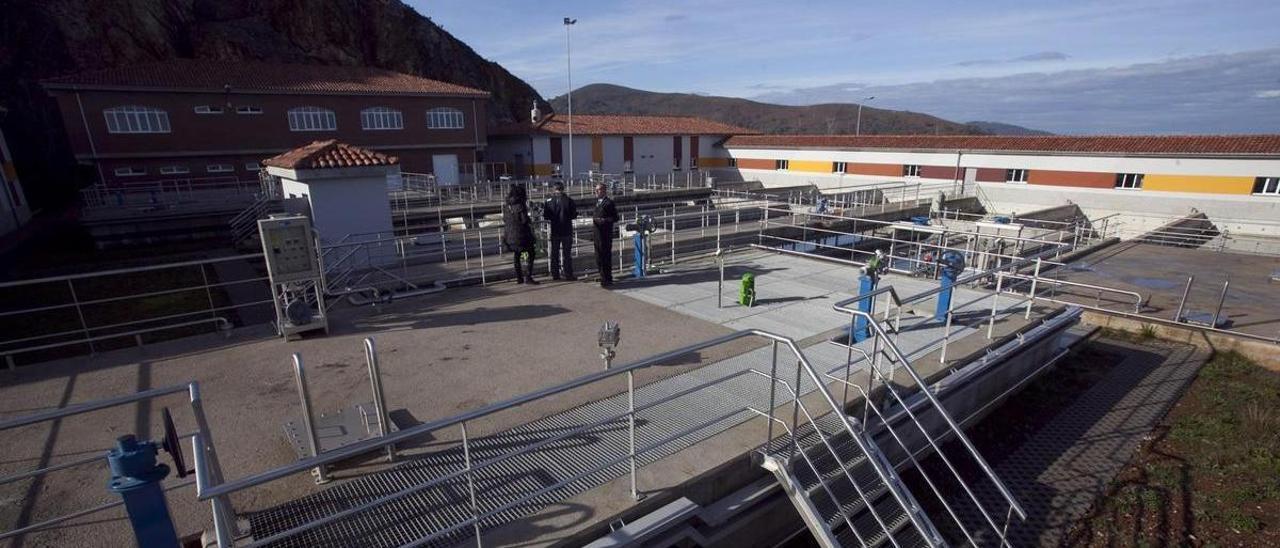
x: 136, y: 119
x: 381, y: 118
x: 312, y: 119
x: 444, y: 118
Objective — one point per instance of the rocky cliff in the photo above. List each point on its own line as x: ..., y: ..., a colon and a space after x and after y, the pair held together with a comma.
x: 44, y: 38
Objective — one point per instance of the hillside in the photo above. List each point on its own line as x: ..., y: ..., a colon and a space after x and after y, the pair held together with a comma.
x: 769, y: 118
x: 997, y: 128
x: 45, y: 38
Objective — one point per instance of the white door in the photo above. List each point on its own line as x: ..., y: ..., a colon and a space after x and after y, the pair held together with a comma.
x: 445, y: 167
x: 970, y: 178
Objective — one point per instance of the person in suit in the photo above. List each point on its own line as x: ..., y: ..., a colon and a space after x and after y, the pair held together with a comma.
x: 603, y: 219
x: 560, y: 211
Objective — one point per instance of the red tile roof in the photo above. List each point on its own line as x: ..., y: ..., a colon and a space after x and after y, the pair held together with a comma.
x: 1159, y: 144
x: 617, y: 124
x: 329, y: 154
x: 247, y: 76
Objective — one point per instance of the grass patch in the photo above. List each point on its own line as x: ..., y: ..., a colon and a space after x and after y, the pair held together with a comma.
x: 1211, y: 473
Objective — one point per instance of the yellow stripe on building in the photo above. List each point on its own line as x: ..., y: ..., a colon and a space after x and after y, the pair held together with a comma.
x: 542, y: 170
x: 810, y: 166
x: 1205, y: 184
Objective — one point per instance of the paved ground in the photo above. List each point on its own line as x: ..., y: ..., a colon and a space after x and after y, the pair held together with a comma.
x: 1058, y: 472
x: 440, y: 355
x: 1160, y: 273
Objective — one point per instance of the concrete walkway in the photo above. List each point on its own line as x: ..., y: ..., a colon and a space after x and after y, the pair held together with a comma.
x: 581, y: 442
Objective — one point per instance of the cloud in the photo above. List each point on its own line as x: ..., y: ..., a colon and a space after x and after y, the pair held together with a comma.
x: 1202, y: 94
x: 1030, y: 58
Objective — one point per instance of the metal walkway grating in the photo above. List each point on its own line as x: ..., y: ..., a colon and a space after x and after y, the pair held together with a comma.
x: 704, y: 413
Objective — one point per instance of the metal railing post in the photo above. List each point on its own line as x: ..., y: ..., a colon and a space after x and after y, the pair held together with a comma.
x: 321, y: 474
x: 946, y: 332
x: 773, y: 389
x: 84, y: 327
x: 795, y: 412
x: 1031, y: 297
x: 1182, y: 303
x: 1221, y: 299
x: 631, y: 430
x: 379, y: 402
x: 483, y: 280
x: 995, y: 302
x: 471, y: 484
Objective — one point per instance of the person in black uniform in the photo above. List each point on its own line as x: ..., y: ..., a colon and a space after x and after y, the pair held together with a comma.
x: 560, y: 211
x: 603, y: 219
x: 517, y: 231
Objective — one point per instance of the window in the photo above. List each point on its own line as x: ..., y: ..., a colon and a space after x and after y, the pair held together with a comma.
x: 1267, y: 185
x: 910, y: 171
x: 781, y: 164
x: 733, y: 162
x: 381, y: 118
x: 444, y: 118
x: 1015, y: 175
x: 208, y: 109
x: 312, y: 119
x: 130, y: 172
x: 248, y: 110
x: 174, y: 170
x: 135, y: 119
x: 1131, y: 181
x: 839, y: 167
x: 219, y: 168
x: 253, y: 166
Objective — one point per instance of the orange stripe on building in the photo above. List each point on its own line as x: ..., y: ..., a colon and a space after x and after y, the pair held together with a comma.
x: 597, y: 149
x: 1205, y: 184
x: 811, y: 166
x: 756, y: 163
x: 888, y: 170
x: 1078, y: 179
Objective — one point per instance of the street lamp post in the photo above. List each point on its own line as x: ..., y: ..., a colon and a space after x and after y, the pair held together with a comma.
x: 568, y: 46
x: 858, y: 129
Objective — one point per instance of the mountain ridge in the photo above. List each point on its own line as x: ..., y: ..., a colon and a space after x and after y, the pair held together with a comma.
x: 826, y: 118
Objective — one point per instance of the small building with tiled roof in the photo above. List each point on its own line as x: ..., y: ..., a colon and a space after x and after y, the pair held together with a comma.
x: 1229, y: 176
x: 215, y: 120
x: 612, y: 143
x: 341, y: 187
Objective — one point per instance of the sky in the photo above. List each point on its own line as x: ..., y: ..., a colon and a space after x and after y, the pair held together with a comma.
x: 1072, y: 67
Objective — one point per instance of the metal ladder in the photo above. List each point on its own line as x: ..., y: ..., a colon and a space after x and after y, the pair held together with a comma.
x: 245, y: 224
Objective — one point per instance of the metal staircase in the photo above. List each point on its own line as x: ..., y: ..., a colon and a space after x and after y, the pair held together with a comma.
x: 843, y: 486
x: 244, y: 226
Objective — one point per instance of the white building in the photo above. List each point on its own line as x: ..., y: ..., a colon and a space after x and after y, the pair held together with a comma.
x: 617, y: 144
x: 1232, y: 177
x: 342, y: 188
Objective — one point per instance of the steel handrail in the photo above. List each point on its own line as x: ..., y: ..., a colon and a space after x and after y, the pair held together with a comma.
x: 817, y: 474
x: 889, y: 477
x: 1138, y: 298
x: 506, y: 456
x: 400, y: 436
x: 951, y: 423
x: 866, y: 398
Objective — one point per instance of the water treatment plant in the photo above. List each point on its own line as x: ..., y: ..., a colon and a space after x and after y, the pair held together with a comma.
x: 830, y: 340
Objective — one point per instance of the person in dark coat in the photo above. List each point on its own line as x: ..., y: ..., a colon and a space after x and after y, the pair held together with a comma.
x: 560, y: 211
x: 602, y: 220
x: 517, y: 232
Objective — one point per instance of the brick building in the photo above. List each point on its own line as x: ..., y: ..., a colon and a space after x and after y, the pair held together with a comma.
x: 198, y: 119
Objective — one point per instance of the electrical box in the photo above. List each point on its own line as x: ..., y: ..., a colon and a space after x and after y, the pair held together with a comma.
x: 289, y: 248
x: 293, y: 265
